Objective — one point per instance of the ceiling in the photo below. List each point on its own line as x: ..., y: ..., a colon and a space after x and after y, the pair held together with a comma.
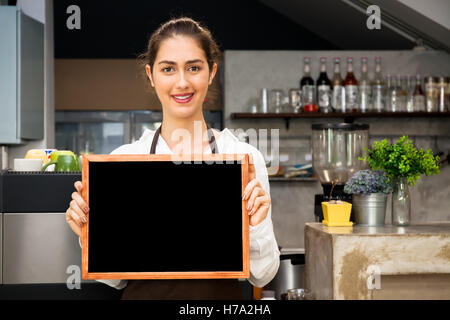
x: 117, y: 29
x: 343, y: 23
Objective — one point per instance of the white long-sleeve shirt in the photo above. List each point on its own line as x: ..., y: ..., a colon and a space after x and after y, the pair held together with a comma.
x: 264, y: 253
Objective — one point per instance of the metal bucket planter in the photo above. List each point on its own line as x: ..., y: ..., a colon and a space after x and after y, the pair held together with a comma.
x: 370, y: 209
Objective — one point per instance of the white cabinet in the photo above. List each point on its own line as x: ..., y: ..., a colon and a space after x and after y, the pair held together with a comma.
x: 21, y: 77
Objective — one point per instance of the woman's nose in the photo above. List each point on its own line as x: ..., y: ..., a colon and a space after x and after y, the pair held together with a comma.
x: 182, y: 82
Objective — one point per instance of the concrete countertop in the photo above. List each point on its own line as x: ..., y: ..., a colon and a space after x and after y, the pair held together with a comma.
x: 340, y: 261
x: 435, y: 228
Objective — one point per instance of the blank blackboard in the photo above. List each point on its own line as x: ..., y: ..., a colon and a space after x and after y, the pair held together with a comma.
x: 151, y: 218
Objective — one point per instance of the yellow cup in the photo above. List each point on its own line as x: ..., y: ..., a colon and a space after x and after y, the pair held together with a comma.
x: 37, y: 154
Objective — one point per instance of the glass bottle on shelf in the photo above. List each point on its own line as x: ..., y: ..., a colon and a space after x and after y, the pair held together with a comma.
x: 307, y: 87
x: 394, y: 95
x: 264, y: 100
x: 418, y: 96
x: 409, y: 94
x: 276, y: 100
x: 401, y: 84
x: 323, y: 88
x: 442, y: 101
x: 295, y: 99
x: 351, y: 88
x: 430, y: 94
x: 338, y: 96
x: 388, y: 106
x: 378, y: 88
x: 364, y: 87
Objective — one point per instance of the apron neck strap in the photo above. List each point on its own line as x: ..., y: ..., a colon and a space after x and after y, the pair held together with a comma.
x: 212, y: 140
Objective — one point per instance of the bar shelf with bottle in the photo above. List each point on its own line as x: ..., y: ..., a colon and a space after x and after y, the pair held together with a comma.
x: 349, y: 97
x: 348, y: 117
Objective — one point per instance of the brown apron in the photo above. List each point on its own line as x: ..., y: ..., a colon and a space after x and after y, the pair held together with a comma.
x: 183, y: 289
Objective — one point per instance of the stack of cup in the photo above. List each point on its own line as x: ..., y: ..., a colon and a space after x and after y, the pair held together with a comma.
x: 27, y: 164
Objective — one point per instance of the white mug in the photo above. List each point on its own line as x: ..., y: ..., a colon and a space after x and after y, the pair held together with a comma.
x: 28, y: 164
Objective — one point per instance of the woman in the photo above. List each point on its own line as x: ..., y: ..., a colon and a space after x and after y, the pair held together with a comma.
x: 180, y: 63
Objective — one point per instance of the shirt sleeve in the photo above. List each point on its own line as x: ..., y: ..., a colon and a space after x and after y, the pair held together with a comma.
x: 264, y: 252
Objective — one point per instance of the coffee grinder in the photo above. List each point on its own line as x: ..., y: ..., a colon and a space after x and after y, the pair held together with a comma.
x: 336, y: 148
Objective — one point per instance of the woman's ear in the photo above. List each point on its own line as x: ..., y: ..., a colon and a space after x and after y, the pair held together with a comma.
x: 149, y: 74
x: 213, y: 73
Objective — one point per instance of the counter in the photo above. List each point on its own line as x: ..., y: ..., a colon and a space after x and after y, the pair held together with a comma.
x: 36, y: 243
x: 385, y: 262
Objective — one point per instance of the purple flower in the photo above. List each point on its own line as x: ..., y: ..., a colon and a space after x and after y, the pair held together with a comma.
x: 367, y: 182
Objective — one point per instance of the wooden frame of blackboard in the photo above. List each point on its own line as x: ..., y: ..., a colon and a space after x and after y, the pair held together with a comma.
x: 211, y: 158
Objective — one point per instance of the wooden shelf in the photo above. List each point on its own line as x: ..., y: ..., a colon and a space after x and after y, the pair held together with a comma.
x: 348, y: 117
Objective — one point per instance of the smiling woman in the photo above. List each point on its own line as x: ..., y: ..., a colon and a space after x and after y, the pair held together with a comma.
x: 181, y: 82
x: 180, y: 64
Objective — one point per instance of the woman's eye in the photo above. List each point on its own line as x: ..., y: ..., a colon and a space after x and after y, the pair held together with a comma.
x: 167, y: 69
x: 194, y: 68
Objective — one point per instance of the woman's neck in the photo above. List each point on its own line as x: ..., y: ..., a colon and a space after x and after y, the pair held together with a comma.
x: 185, y: 135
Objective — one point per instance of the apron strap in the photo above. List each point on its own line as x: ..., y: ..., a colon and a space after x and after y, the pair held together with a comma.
x: 212, y: 140
x: 155, y: 140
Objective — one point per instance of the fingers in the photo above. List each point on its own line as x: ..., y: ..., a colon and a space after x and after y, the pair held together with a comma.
x: 80, y: 201
x: 78, y: 211
x: 255, y: 199
x: 72, y: 223
x: 249, y: 188
x: 78, y: 186
x: 260, y: 210
x: 72, y: 216
x: 260, y: 202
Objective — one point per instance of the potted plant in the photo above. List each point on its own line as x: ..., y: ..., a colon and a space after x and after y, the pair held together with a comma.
x: 403, y: 163
x: 369, y: 190
x: 336, y: 213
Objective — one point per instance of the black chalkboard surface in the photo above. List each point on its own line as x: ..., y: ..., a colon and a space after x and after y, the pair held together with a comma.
x: 151, y: 218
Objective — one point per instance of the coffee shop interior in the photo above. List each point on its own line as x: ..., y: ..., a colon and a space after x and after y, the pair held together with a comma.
x: 313, y: 85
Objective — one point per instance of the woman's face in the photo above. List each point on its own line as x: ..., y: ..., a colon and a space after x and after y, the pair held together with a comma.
x: 181, y: 76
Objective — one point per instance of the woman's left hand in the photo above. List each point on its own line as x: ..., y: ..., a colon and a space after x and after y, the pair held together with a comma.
x: 258, y: 203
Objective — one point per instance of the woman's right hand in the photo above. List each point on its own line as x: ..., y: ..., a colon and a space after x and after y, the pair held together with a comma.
x: 76, y: 213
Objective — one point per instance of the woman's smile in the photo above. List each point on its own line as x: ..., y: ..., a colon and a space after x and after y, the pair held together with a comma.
x: 183, y: 97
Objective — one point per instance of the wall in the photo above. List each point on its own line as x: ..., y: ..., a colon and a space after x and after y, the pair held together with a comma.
x: 41, y: 10
x: 112, y: 84
x: 246, y: 72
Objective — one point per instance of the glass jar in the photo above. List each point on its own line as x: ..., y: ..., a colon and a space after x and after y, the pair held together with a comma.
x: 442, y: 95
x: 276, y: 100
x: 410, y: 85
x: 336, y: 148
x: 431, y: 94
x: 264, y: 101
x: 401, y: 202
x: 295, y: 100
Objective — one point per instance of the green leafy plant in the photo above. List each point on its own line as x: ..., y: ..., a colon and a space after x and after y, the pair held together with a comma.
x: 401, y: 159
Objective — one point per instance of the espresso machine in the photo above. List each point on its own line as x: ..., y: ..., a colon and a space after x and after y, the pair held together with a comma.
x: 336, y: 148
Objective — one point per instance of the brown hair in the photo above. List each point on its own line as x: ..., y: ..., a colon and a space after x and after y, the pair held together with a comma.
x: 180, y: 26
